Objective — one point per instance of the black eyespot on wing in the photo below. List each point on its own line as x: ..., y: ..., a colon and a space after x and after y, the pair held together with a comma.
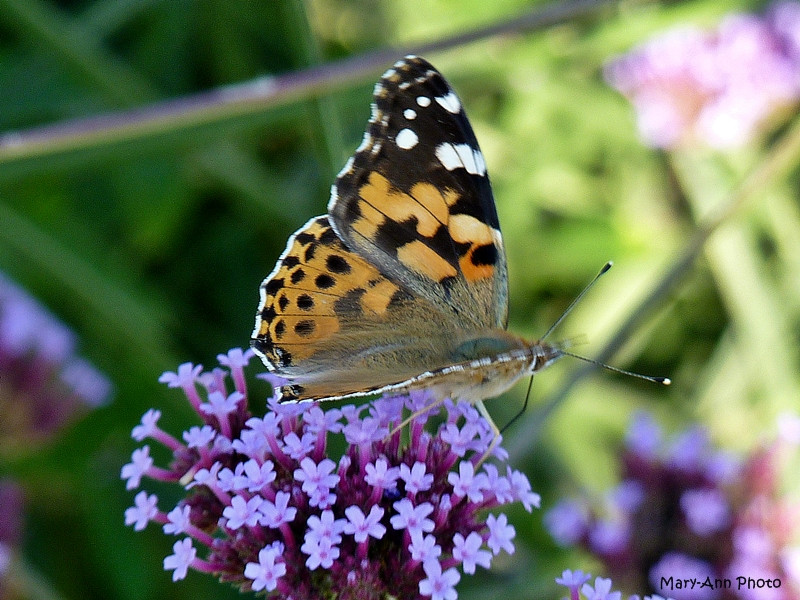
x: 274, y: 286
x: 291, y: 261
x: 484, y: 255
x: 324, y: 281
x: 297, y: 276
x: 337, y: 264
x: 305, y: 302
x: 305, y: 327
x: 328, y: 236
x: 304, y: 238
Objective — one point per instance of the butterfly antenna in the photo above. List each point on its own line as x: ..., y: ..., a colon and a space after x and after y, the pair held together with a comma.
x: 577, y: 299
x: 524, y: 406
x: 597, y: 363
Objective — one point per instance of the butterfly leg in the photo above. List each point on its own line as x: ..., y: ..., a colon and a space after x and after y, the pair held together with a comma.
x: 495, y: 432
x: 435, y: 404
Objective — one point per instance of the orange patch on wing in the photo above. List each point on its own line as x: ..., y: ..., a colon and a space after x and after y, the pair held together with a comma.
x: 469, y: 230
x: 425, y: 261
x: 378, y: 297
x: 426, y: 204
x: 474, y: 272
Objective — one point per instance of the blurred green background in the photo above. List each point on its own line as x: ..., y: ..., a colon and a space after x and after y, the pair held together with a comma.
x: 152, y: 248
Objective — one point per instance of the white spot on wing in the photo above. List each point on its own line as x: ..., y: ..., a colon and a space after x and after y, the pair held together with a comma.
x: 348, y: 166
x: 450, y: 102
x: 406, y: 139
x: 365, y: 142
x: 461, y: 156
x: 423, y: 101
x: 410, y: 114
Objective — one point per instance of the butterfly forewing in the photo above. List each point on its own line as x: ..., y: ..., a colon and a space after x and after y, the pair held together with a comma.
x: 416, y: 198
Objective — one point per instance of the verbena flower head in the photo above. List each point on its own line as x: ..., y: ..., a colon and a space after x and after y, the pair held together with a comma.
x: 686, y: 511
x: 267, y: 505
x: 714, y: 87
x: 43, y: 383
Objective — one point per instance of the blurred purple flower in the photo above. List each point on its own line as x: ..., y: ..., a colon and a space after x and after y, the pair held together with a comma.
x: 715, y: 87
x: 43, y: 384
x: 688, y: 511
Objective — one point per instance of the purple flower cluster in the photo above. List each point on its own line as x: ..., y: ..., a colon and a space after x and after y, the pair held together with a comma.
x: 714, y: 87
x: 277, y: 513
x: 687, y: 512
x: 579, y: 588
x: 43, y: 384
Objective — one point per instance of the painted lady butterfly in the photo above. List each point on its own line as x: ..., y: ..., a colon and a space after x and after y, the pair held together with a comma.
x: 403, y: 284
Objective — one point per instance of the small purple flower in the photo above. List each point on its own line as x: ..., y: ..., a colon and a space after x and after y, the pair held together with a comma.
x: 412, y: 518
x: 179, y: 518
x: 380, y: 475
x: 437, y: 584
x: 137, y: 468
x: 297, y: 447
x: 242, y: 512
x: 321, y: 552
x: 325, y: 526
x: 276, y: 513
x: 579, y: 589
x: 573, y: 580
x: 143, y: 511
x: 360, y: 526
x: 500, y: 534
x: 609, y: 537
x: 183, y: 556
x: 600, y: 591
x: 468, y: 551
x: 416, y: 478
x: 467, y: 483
x: 644, y: 436
x: 267, y: 571
x: 317, y: 479
x: 423, y: 547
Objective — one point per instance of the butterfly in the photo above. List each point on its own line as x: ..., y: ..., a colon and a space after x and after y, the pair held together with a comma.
x: 403, y: 285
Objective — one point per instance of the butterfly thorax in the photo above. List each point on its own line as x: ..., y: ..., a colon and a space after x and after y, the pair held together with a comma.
x: 488, y: 364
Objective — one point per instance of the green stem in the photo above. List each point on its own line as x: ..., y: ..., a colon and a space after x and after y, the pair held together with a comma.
x: 231, y: 103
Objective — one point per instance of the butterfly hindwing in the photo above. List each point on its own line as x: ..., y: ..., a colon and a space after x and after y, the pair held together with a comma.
x: 333, y: 324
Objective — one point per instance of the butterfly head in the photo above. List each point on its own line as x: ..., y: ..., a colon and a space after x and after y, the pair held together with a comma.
x: 544, y: 355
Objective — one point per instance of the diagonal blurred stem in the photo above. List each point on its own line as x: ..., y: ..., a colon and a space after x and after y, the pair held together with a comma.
x: 229, y: 103
x: 783, y: 155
